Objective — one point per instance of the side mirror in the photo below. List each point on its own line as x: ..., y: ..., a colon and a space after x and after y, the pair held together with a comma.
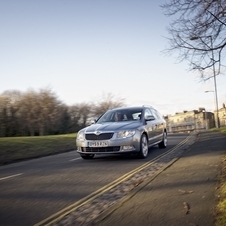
x: 91, y: 122
x: 149, y: 118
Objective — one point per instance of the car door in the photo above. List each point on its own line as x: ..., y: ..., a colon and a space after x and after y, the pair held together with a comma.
x: 151, y: 127
x: 159, y: 124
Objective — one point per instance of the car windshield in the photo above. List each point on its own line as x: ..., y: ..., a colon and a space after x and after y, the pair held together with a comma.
x: 120, y: 115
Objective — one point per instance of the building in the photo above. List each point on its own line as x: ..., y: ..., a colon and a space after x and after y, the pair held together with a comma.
x: 221, y: 116
x: 187, y: 121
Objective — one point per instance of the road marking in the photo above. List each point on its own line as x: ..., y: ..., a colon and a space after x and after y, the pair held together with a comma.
x: 15, y: 175
x: 74, y: 159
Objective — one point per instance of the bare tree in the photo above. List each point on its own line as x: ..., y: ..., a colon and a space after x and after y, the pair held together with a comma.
x: 74, y: 116
x: 48, y: 114
x: 29, y: 111
x: 82, y: 114
x: 40, y: 112
x: 4, y: 103
x: 79, y: 115
x: 62, y: 121
x: 198, y: 33
x: 107, y: 102
x: 9, y: 113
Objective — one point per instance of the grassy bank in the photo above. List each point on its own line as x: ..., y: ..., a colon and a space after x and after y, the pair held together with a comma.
x: 14, y: 149
x: 221, y: 206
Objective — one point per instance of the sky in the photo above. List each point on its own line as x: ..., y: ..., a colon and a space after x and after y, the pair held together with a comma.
x: 85, y: 49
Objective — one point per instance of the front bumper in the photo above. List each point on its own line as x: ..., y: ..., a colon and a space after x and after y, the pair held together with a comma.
x: 116, y: 146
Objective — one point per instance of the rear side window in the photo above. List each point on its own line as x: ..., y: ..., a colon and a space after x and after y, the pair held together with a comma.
x: 155, y: 114
x: 148, y: 113
x: 158, y: 114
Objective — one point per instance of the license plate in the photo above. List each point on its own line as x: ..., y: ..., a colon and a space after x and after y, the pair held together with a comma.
x: 98, y: 144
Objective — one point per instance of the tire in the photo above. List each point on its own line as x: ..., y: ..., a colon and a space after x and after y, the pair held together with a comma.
x: 163, y: 143
x: 87, y: 156
x: 143, y: 153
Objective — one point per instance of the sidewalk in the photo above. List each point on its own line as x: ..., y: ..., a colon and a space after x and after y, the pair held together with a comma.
x: 185, y: 194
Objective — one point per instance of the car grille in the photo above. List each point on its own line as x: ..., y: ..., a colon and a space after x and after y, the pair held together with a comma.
x: 102, y: 149
x: 102, y: 136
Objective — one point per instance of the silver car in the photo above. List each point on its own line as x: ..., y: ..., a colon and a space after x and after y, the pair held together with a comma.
x: 122, y: 131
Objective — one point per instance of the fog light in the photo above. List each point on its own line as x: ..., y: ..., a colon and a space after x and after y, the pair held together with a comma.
x: 127, y: 147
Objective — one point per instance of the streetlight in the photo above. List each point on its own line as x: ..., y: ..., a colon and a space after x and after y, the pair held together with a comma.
x: 211, y: 91
x: 214, y: 75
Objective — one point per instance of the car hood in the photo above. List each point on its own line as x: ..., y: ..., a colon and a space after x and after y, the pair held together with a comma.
x: 112, y: 126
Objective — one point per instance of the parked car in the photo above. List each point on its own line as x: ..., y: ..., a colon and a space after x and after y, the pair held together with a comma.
x: 122, y: 131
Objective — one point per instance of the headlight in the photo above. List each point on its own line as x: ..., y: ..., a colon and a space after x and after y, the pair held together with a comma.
x: 126, y: 133
x: 81, y: 136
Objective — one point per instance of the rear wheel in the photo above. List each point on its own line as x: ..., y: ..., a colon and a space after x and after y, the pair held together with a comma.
x: 143, y: 153
x: 87, y: 156
x: 163, y: 143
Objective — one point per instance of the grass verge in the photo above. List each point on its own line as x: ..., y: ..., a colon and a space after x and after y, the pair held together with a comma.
x: 221, y: 206
x: 13, y: 149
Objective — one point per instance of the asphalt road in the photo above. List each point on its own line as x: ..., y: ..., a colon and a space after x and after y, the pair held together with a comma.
x: 34, y: 190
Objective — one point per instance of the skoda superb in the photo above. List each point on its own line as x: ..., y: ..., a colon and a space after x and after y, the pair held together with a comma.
x: 122, y: 131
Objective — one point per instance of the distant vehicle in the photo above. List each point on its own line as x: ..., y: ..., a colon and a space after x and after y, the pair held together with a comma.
x: 122, y: 131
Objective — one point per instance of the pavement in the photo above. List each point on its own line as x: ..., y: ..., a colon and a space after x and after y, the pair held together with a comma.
x: 184, y: 194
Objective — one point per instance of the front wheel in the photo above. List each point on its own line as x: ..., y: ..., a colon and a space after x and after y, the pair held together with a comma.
x: 163, y: 143
x: 143, y: 153
x: 87, y: 156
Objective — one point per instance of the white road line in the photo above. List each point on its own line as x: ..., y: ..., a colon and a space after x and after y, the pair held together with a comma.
x: 74, y: 159
x: 15, y: 175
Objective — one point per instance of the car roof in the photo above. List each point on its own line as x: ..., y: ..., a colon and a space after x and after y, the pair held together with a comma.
x: 131, y: 107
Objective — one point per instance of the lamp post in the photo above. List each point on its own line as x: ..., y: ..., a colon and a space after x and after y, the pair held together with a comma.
x: 214, y: 76
x: 209, y: 91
